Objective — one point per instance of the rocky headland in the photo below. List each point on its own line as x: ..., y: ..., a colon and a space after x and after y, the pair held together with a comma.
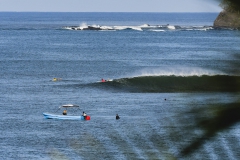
x: 228, y: 19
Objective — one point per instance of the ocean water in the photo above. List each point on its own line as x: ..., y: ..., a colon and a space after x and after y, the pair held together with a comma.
x: 161, y: 67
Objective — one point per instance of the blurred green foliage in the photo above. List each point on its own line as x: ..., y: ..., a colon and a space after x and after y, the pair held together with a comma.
x: 230, y: 5
x: 221, y: 117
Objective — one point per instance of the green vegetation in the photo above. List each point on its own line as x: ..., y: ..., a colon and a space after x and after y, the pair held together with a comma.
x: 230, y: 16
x: 219, y: 117
x: 230, y: 5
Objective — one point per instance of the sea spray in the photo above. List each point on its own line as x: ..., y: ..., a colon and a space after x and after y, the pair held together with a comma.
x: 176, y: 71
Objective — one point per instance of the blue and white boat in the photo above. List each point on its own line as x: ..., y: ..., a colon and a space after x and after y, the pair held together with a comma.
x: 64, y: 115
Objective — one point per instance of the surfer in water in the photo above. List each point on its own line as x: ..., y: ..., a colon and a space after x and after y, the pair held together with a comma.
x: 117, y: 117
x: 103, y: 80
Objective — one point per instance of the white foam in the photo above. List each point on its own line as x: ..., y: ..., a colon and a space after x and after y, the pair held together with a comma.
x: 107, y: 28
x: 137, y: 28
x: 176, y: 71
x: 120, y: 27
x: 158, y: 30
x: 128, y: 27
x: 171, y: 27
x: 68, y: 28
x: 145, y: 27
x: 82, y: 26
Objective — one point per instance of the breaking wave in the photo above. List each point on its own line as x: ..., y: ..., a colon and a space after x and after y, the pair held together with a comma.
x: 174, y: 84
x: 144, y: 27
x: 165, y: 80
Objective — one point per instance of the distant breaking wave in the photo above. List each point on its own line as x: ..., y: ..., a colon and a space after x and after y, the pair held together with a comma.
x: 174, y: 84
x: 145, y: 27
x: 172, y: 80
x: 169, y: 80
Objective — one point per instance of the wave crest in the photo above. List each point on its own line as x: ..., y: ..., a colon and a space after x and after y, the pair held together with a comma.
x: 144, y: 27
x: 176, y: 71
x: 175, y: 84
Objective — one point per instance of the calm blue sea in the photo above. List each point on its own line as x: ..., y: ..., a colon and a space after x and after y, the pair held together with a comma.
x: 161, y: 66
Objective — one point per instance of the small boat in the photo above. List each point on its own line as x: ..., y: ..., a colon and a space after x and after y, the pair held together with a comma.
x: 64, y: 115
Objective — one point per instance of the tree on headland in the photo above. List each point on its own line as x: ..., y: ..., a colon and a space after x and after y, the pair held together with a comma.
x: 230, y: 5
x: 230, y: 16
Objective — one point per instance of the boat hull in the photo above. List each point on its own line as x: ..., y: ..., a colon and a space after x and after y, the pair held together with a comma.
x: 56, y: 116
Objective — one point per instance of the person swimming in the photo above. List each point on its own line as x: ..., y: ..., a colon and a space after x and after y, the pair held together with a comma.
x: 117, y: 117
